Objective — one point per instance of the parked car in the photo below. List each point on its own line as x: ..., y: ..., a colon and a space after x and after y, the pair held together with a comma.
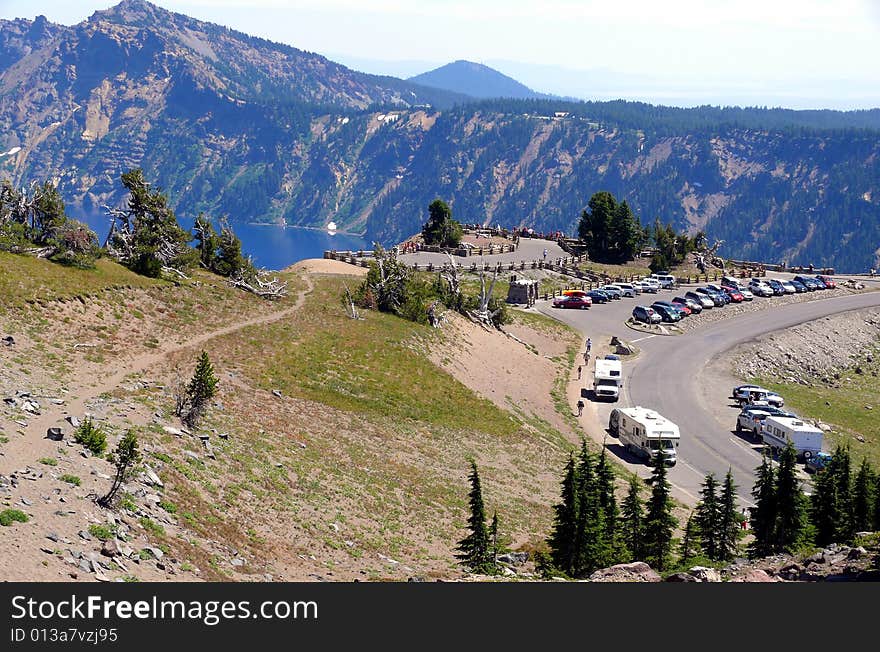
x: 755, y: 394
x: 798, y: 286
x: 574, y: 301
x: 734, y: 294
x: 811, y: 284
x: 666, y: 313
x: 730, y: 281
x: 683, y: 310
x: 827, y: 280
x: 789, y: 287
x: 598, y: 296
x: 817, y: 462
x: 695, y: 306
x: 714, y: 297
x: 698, y: 297
x: 759, y: 287
x: 647, y: 287
x: 746, y: 292
x: 628, y: 289
x: 819, y: 282
x: 612, y: 291
x: 772, y: 410
x: 751, y: 420
x: 665, y: 279
x: 646, y: 314
x: 776, y: 286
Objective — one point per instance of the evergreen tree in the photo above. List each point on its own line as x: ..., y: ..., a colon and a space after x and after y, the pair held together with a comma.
x: 124, y: 458
x: 824, y: 507
x: 441, y: 229
x: 496, y: 546
x: 791, y: 504
x: 474, y: 550
x: 562, y: 538
x: 659, y: 522
x: 708, y: 517
x: 729, y: 522
x: 763, y: 516
x: 230, y: 260
x: 841, y: 468
x: 198, y: 393
x: 632, y: 516
x: 876, y: 502
x: 208, y: 241
x: 689, y: 542
x: 862, y: 498
x: 590, y: 549
x: 596, y: 225
x: 610, y: 511
x: 625, y: 233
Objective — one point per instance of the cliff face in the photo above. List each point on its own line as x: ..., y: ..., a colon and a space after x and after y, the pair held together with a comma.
x: 235, y: 125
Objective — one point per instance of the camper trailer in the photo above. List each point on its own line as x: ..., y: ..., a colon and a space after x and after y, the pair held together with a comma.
x: 643, y: 432
x: 607, y: 378
x: 778, y: 431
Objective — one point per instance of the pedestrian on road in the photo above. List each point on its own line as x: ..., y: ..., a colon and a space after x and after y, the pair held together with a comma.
x: 589, y: 344
x: 586, y: 357
x: 579, y: 372
x: 545, y: 254
x: 580, y: 407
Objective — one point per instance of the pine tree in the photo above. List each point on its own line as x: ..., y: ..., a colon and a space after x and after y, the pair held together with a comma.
x: 688, y: 548
x: 763, y: 516
x: 791, y: 504
x: 610, y: 511
x: 562, y: 538
x: 876, y: 501
x: 208, y: 241
x: 729, y: 523
x: 590, y: 551
x: 633, y: 516
x: 824, y: 507
x: 842, y: 473
x: 708, y: 517
x: 441, y: 229
x: 659, y: 522
x: 474, y: 550
x: 229, y: 260
x: 862, y: 498
x: 124, y: 458
x: 494, y: 546
x: 200, y: 390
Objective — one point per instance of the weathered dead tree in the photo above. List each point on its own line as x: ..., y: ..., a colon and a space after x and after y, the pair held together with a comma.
x: 434, y: 318
x: 450, y: 275
x: 350, y: 308
x: 258, y: 282
x: 482, y: 315
x: 708, y: 257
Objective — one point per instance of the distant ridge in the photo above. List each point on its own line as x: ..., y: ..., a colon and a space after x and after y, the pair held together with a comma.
x: 476, y: 80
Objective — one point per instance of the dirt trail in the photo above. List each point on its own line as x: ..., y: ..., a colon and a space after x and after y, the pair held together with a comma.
x: 24, y: 450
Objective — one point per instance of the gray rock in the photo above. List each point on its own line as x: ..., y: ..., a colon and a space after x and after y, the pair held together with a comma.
x: 637, y: 571
x: 84, y: 535
x: 26, y: 502
x: 52, y: 536
x: 857, y: 553
x: 276, y: 393
x: 514, y: 558
x: 238, y: 561
x: 55, y: 434
x: 681, y: 577
x: 704, y: 574
x: 754, y: 575
x: 73, y: 421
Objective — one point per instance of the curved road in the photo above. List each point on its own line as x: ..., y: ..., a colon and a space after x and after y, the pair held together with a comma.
x: 676, y: 376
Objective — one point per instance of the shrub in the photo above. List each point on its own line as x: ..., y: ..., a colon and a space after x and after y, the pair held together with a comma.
x: 91, y: 436
x: 169, y: 507
x: 71, y: 479
x: 151, y: 526
x: 7, y: 516
x: 49, y: 461
x: 102, y: 532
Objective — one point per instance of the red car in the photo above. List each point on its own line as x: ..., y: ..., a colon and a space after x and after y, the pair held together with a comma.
x: 573, y: 302
x: 734, y: 294
x: 827, y: 280
x: 682, y: 307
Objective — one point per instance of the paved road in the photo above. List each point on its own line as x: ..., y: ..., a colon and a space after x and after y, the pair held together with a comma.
x: 674, y: 376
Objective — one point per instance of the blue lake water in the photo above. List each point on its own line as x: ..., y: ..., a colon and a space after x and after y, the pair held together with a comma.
x: 271, y: 246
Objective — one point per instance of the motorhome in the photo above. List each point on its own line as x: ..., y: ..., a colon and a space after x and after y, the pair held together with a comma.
x: 607, y: 378
x: 643, y: 432
x: 778, y: 431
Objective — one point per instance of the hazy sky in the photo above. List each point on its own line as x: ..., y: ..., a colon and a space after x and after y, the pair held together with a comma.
x: 798, y: 53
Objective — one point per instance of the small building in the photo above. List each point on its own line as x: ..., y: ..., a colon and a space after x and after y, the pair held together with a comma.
x: 522, y: 291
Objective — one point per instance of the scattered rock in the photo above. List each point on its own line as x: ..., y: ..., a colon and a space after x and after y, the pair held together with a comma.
x: 73, y: 420
x: 52, y: 536
x: 754, y: 575
x: 681, y: 577
x: 8, y: 341
x: 514, y: 558
x: 276, y: 393
x: 637, y: 571
x: 84, y: 535
x: 173, y: 431
x: 55, y: 434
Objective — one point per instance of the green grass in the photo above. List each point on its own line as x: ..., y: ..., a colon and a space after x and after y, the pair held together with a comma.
x: 102, y: 532
x: 48, y: 461
x: 71, y: 479
x: 846, y: 414
x: 24, y: 279
x: 8, y: 516
x: 151, y: 526
x: 377, y: 366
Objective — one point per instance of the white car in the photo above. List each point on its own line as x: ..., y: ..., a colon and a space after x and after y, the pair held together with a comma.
x: 755, y: 395
x: 747, y: 294
x: 789, y: 287
x: 647, y: 287
x: 627, y: 289
x: 761, y: 289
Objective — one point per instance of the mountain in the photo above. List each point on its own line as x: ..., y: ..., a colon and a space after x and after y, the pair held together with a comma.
x: 234, y: 125
x: 474, y: 79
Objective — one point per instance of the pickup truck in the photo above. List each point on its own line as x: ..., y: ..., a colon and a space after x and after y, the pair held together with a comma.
x: 751, y: 421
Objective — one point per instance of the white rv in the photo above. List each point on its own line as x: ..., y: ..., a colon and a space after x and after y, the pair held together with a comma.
x: 778, y: 431
x: 607, y: 378
x: 644, y: 432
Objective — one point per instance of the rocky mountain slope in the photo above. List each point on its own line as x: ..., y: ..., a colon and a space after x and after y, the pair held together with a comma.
x: 259, y: 131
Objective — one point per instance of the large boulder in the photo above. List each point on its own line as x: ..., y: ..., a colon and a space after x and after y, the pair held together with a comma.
x: 754, y: 575
x: 637, y: 571
x: 705, y: 574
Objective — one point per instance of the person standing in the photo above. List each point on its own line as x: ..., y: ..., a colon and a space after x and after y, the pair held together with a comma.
x: 580, y: 405
x: 579, y: 372
x: 589, y: 344
x: 545, y: 255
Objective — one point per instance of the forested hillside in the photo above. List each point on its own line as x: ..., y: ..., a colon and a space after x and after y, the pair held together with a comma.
x: 239, y: 126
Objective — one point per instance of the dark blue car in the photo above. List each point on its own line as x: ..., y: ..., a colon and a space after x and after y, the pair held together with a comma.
x: 598, y: 296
